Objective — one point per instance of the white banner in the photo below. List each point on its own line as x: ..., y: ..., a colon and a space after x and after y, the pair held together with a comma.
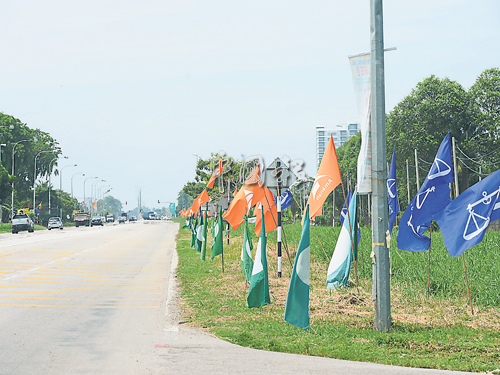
x: 360, y: 66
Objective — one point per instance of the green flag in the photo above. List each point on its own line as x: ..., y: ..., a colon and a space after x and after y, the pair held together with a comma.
x: 246, y: 253
x: 258, y: 292
x: 199, y: 234
x: 194, y: 223
x: 218, y: 235
x: 297, y: 301
x: 204, y: 241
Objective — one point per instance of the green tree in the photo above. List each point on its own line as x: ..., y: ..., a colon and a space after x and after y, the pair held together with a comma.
x: 421, y: 120
x: 12, y: 130
x: 203, y: 172
x: 109, y: 204
x: 485, y: 143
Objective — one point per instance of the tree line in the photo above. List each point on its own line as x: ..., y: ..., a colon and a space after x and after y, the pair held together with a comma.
x: 420, y: 121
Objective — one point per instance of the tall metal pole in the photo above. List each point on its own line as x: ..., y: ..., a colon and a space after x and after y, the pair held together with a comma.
x: 381, y: 277
x: 408, y: 182
x: 1, y: 211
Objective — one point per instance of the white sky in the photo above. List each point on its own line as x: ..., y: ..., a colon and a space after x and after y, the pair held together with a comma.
x: 131, y: 89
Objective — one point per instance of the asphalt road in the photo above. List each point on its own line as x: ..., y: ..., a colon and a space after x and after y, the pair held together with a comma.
x: 103, y: 300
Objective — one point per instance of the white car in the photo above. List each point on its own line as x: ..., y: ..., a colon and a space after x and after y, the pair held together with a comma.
x: 55, y: 222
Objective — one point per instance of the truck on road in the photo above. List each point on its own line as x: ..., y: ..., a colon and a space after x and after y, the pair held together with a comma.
x: 82, y: 219
x: 22, y: 221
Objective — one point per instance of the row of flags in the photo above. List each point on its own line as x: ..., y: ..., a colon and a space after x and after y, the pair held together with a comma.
x: 463, y: 222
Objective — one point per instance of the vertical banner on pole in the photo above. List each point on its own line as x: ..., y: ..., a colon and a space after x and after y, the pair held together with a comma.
x: 360, y: 67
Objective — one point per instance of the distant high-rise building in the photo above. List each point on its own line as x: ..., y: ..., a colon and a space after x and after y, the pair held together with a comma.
x: 340, y: 133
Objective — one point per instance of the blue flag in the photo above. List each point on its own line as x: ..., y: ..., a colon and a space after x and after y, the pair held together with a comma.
x: 343, y: 212
x: 465, y: 219
x: 286, y: 199
x: 428, y: 204
x: 392, y: 193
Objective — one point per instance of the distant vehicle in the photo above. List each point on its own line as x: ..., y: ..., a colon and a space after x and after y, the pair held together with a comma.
x: 122, y: 218
x: 54, y: 223
x: 22, y: 221
x: 149, y: 216
x: 96, y: 220
x: 132, y: 218
x: 110, y: 219
x: 82, y: 219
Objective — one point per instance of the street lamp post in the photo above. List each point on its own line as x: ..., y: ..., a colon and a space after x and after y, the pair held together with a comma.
x: 83, y: 174
x: 1, y: 212
x: 99, y: 194
x: 53, y: 160
x: 60, y: 187
x: 13, y: 153
x: 93, y: 193
x: 84, y: 189
x: 34, y: 177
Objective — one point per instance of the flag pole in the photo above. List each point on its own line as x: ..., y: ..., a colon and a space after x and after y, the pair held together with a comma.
x: 278, y: 206
x: 429, y: 264
x: 228, y: 197
x: 456, y: 195
x: 275, y: 222
x: 217, y: 218
x: 408, y: 182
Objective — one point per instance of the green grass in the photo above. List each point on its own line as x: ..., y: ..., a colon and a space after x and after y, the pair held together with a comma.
x: 435, y: 330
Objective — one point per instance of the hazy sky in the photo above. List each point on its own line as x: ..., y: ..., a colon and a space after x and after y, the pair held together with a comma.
x: 131, y: 89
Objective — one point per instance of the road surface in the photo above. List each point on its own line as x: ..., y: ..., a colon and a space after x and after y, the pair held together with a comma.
x: 103, y: 300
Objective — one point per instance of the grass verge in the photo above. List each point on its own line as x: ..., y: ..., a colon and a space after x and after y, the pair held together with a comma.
x: 434, y: 330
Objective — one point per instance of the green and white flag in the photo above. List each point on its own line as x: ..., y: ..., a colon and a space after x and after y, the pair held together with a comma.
x: 199, y: 234
x: 246, y: 253
x: 217, y: 244
x: 340, y: 265
x: 297, y: 301
x: 204, y: 241
x: 258, y: 292
x: 193, y: 231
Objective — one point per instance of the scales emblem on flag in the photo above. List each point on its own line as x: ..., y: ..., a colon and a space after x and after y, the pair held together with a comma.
x: 420, y: 201
x: 476, y: 222
x: 391, y: 184
x: 439, y: 168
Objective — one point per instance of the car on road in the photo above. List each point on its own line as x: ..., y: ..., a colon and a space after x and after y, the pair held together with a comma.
x: 55, y: 223
x: 22, y: 221
x: 82, y: 218
x: 110, y: 219
x: 96, y: 220
x: 132, y: 218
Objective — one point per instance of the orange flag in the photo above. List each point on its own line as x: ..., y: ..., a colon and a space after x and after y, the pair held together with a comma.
x: 270, y: 213
x: 327, y: 178
x: 245, y: 199
x: 254, y: 176
x: 217, y: 172
x: 200, y: 201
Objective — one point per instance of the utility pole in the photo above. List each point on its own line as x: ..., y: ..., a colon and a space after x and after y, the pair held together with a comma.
x: 408, y: 182
x: 380, y: 255
x: 416, y: 168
